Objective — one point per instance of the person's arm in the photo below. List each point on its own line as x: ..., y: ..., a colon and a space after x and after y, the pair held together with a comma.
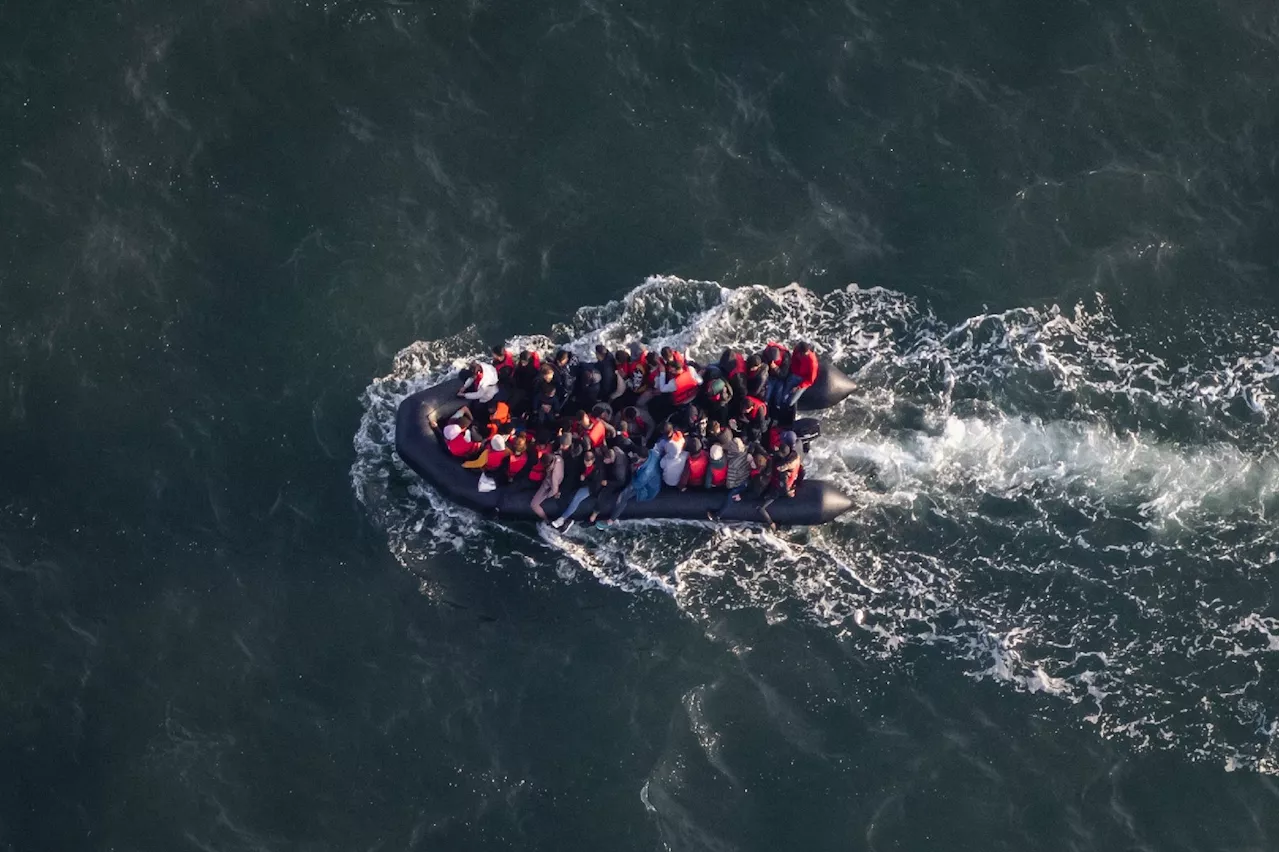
x: 665, y: 385
x: 707, y: 481
x: 619, y: 386
x: 469, y: 383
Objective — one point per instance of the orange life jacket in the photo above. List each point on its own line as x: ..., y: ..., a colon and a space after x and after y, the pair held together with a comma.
x: 594, y: 433
x: 698, y: 468
x: 686, y: 387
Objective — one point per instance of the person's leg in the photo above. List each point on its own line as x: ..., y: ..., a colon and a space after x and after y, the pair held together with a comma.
x: 624, y: 496
x: 540, y: 496
x: 764, y: 510
x: 729, y: 499
x: 794, y: 391
x: 574, y: 502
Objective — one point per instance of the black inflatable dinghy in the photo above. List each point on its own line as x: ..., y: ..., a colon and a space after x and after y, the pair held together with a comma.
x: 816, y: 502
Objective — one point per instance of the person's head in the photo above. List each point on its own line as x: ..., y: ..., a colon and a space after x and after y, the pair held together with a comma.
x: 716, y: 387
x: 601, y: 351
x: 694, y: 445
x: 498, y: 443
x: 754, y: 362
x: 562, y: 356
x: 717, y: 452
x: 499, y: 352
x: 651, y: 359
x: 548, y: 373
x: 525, y: 357
x: 593, y: 377
x: 582, y: 417
x: 714, y: 428
x: 630, y: 413
x: 565, y: 443
x: 546, y: 404
x: 802, y: 348
x: 622, y: 356
x: 666, y: 353
x: 609, y: 454
x: 474, y: 368
x: 668, y: 431
x: 518, y: 444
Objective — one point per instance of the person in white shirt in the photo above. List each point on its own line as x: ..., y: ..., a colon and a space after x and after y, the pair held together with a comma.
x: 483, y: 384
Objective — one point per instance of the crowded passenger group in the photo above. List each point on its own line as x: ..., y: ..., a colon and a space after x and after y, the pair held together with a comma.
x: 590, y: 429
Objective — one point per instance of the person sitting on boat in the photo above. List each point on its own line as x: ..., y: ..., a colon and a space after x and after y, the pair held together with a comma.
x: 673, y: 460
x: 631, y: 371
x: 716, y: 397
x: 754, y: 422
x: 732, y: 363
x: 504, y: 364
x: 804, y: 372
x: 678, y: 385
x: 611, y: 384
x: 670, y: 435
x: 717, y: 433
x: 524, y: 380
x: 565, y: 365
x: 616, y: 475
x: 499, y: 416
x: 671, y: 356
x: 756, y: 378
x: 515, y: 462
x: 590, y: 388
x: 591, y: 429
x: 552, y: 477
x: 651, y: 373
x: 784, y: 479
x: 761, y: 475
x: 738, y: 475
x: 590, y: 481
x: 459, y: 439
x: 777, y: 361
x: 717, y: 473
x: 695, y: 467
x: 482, y: 383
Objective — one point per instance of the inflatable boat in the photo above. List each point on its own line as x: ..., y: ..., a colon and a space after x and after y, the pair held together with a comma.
x: 816, y: 502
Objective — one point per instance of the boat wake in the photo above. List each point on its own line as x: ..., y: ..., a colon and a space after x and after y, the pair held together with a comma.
x: 1053, y: 503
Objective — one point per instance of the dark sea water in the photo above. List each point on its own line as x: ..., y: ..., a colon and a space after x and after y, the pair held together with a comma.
x: 1043, y: 236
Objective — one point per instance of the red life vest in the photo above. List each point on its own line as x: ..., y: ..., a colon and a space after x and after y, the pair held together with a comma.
x: 516, y: 463
x: 506, y: 362
x: 494, y: 459
x: 594, y: 433
x: 461, y: 446
x: 535, y: 359
x: 752, y: 407
x: 698, y: 468
x: 677, y: 357
x: 776, y: 347
x: 539, y: 470
x: 686, y: 387
x: 719, y: 476
x: 739, y: 365
x: 773, y: 438
x: 586, y: 471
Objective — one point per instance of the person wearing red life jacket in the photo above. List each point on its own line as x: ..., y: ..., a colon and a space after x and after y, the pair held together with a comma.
x: 756, y: 379
x: 591, y: 429
x: 679, y: 388
x: 695, y: 467
x: 458, y: 438
x: 590, y: 482
x: 777, y: 360
x: 754, y: 423
x: 732, y: 363
x: 784, y: 479
x: 504, y: 364
x: 672, y: 356
x: 739, y: 472
x: 717, y: 474
x: 515, y: 462
x: 651, y: 373
x: 498, y: 453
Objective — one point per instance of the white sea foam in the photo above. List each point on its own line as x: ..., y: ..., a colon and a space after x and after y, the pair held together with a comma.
x: 1036, y: 496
